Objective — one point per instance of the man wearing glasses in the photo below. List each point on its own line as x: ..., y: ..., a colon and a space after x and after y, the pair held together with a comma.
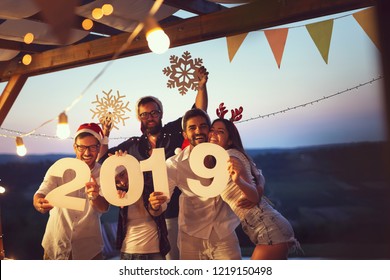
x: 142, y: 231
x: 73, y: 234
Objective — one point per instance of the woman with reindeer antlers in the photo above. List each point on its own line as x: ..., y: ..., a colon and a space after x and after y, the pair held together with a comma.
x: 267, y: 228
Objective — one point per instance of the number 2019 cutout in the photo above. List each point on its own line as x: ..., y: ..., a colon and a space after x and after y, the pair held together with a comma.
x: 155, y: 163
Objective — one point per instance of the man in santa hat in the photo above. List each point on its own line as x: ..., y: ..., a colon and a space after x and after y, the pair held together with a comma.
x: 74, y: 234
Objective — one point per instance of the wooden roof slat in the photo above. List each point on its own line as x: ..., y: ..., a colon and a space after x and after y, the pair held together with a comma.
x: 10, y: 93
x: 254, y: 16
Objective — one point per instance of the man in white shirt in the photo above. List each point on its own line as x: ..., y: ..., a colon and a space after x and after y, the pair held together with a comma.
x: 206, y: 225
x: 74, y: 234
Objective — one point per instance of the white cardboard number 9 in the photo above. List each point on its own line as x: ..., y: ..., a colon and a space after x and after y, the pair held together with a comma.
x: 219, y: 172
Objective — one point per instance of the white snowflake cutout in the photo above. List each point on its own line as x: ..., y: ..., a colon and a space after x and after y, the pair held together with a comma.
x: 183, y: 72
x: 111, y: 108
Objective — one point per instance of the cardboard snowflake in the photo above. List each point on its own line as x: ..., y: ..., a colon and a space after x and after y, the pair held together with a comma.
x: 183, y: 72
x: 111, y: 108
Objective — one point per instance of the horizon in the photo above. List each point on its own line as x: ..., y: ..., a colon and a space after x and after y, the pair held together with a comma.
x: 339, y: 108
x: 246, y: 149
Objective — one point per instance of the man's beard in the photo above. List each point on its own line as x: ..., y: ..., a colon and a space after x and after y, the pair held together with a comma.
x: 151, y: 130
x: 194, y: 141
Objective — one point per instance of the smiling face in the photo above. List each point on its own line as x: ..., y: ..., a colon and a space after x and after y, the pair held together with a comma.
x: 196, y: 130
x: 87, y: 149
x: 150, y: 116
x: 219, y: 135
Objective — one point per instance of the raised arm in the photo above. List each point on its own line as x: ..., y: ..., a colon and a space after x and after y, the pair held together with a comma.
x: 201, y: 100
x: 106, y: 128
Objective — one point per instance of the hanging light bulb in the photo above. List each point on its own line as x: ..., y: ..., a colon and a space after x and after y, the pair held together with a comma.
x: 28, y: 38
x: 87, y: 24
x: 26, y: 60
x: 97, y: 13
x: 107, y: 9
x: 20, y: 148
x: 158, y: 40
x: 63, y: 130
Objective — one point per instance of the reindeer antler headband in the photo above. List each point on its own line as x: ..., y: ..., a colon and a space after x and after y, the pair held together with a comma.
x: 236, y: 113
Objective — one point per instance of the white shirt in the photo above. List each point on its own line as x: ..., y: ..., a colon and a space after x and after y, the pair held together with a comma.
x: 197, y: 215
x: 141, y: 231
x: 71, y: 231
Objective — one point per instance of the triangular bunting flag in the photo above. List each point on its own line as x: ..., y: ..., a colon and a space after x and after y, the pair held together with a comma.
x: 321, y: 33
x: 234, y: 43
x: 60, y: 15
x: 367, y: 20
x: 277, y: 40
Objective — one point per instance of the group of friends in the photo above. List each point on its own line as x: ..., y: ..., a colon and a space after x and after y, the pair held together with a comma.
x: 179, y: 225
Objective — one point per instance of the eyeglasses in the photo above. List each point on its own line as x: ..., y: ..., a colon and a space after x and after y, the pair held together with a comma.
x: 154, y: 114
x: 91, y: 148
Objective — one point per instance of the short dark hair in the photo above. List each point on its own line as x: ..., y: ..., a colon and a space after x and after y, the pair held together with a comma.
x: 195, y: 112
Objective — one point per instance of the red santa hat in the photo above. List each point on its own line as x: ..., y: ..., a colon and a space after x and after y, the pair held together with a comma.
x: 91, y: 128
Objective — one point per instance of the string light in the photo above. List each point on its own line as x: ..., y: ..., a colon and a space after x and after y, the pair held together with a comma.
x: 157, y: 4
x: 27, y: 59
x: 63, y: 130
x: 20, y: 148
x: 158, y: 40
x: 250, y: 119
x: 312, y: 102
x: 28, y: 38
x: 87, y: 24
x: 107, y: 9
x: 97, y: 13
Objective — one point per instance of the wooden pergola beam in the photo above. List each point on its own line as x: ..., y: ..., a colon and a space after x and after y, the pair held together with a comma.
x: 254, y: 16
x: 10, y: 93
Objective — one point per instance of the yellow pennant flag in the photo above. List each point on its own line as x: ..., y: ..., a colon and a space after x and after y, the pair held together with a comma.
x: 234, y: 43
x: 367, y: 20
x: 321, y: 34
x: 277, y: 40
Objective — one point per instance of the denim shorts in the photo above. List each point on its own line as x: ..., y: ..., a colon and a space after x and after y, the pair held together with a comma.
x: 264, y: 225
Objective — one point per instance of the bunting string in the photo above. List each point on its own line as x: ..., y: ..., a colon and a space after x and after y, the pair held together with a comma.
x: 18, y: 133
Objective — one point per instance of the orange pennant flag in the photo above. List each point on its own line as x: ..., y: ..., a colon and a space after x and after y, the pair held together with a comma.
x: 234, y: 43
x: 321, y: 34
x: 277, y: 40
x: 367, y: 20
x: 60, y: 15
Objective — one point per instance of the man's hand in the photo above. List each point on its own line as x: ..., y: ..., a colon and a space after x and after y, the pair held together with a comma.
x: 203, y: 77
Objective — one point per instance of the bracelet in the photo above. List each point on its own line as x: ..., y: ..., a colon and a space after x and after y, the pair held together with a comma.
x: 105, y: 140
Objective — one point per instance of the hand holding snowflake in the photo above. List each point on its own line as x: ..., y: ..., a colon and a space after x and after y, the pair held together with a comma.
x: 184, y: 73
x: 110, y: 110
x: 106, y: 123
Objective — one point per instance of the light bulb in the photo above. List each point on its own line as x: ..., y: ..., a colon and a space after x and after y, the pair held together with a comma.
x: 158, y: 40
x: 87, y: 24
x: 20, y: 148
x: 28, y: 38
x: 107, y: 9
x: 63, y: 130
x: 97, y: 13
x: 26, y: 60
